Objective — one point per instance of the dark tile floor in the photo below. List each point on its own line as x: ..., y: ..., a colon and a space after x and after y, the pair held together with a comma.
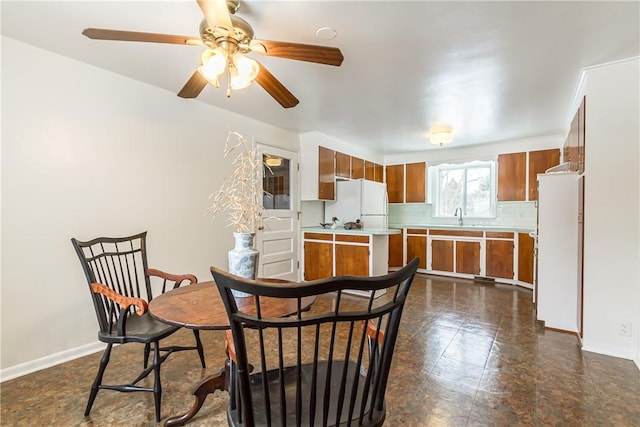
x: 468, y: 355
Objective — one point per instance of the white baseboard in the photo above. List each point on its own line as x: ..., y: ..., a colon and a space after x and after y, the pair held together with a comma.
x: 623, y: 353
x: 48, y: 361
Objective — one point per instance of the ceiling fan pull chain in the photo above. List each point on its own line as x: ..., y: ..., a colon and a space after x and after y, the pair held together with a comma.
x: 228, y: 83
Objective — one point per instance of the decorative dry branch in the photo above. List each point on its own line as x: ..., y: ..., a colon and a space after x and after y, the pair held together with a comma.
x: 240, y: 194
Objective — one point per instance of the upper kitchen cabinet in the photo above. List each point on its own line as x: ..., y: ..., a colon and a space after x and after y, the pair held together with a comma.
x: 357, y: 168
x: 343, y: 165
x: 407, y: 183
x: 395, y: 183
x: 573, y: 150
x: 539, y: 162
x: 369, y: 170
x: 415, y: 183
x: 378, y: 173
x: 512, y: 176
x: 326, y: 174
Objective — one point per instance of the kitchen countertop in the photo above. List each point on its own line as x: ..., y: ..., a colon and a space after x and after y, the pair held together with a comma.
x: 516, y: 229
x: 341, y: 230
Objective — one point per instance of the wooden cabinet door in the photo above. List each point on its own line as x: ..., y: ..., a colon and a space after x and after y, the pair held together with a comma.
x: 395, y: 183
x: 417, y: 247
x: 539, y: 162
x: 525, y: 258
x: 512, y: 176
x: 442, y: 255
x: 396, y: 249
x: 352, y: 260
x: 343, y: 165
x: 369, y: 171
x: 357, y: 168
x: 318, y: 260
x: 416, y: 182
x: 468, y: 257
x: 499, y: 258
x: 326, y: 174
x: 379, y: 173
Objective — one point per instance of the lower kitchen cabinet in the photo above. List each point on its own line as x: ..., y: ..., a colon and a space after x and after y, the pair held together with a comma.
x: 499, y: 256
x: 318, y: 256
x: 396, y: 250
x: 442, y: 255
x: 468, y: 257
x: 506, y: 256
x: 351, y: 260
x: 417, y: 246
x: 328, y: 254
x: 525, y: 258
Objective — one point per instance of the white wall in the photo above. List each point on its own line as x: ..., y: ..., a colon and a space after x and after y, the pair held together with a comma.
x: 612, y: 209
x: 87, y: 153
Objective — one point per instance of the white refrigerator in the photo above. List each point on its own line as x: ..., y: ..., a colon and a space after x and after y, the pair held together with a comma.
x: 558, y: 294
x: 359, y: 199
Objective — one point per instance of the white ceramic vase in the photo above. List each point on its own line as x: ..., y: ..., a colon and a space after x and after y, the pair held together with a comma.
x: 243, y: 259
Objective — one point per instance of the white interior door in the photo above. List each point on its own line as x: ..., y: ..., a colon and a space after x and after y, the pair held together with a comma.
x: 277, y: 237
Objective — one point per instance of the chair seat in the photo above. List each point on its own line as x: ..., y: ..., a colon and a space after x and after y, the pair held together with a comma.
x: 142, y: 329
x: 306, y: 375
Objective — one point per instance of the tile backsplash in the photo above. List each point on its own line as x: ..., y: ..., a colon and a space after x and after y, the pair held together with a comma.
x: 511, y: 214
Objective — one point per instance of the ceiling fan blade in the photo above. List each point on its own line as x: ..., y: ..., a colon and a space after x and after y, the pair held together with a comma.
x: 217, y: 14
x: 194, y: 86
x: 275, y: 88
x: 133, y: 36
x: 301, y: 52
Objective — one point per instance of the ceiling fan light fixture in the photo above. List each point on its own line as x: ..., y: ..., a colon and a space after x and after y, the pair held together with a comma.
x: 214, y: 62
x: 247, y: 67
x: 441, y: 137
x: 236, y: 80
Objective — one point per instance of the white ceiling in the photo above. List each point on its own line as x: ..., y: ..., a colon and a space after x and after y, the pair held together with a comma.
x: 494, y: 71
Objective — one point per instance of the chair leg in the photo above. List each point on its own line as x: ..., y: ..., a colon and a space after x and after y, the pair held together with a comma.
x: 157, y: 387
x: 98, y: 380
x: 200, y: 348
x: 146, y: 355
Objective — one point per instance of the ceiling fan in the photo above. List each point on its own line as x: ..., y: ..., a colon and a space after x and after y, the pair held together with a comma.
x: 228, y: 39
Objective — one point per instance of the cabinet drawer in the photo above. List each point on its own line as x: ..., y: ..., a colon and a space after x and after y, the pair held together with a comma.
x: 416, y: 231
x: 352, y: 238
x: 499, y: 235
x: 318, y: 236
x: 462, y: 233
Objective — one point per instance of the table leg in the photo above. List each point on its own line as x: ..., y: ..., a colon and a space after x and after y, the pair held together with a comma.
x: 207, y: 386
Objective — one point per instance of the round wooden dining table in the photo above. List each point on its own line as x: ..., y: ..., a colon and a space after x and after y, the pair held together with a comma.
x: 199, y: 306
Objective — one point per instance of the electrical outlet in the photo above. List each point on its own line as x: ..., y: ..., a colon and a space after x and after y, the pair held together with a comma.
x: 625, y: 329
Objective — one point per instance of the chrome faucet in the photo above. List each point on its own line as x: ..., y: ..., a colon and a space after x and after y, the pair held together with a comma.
x: 459, y: 209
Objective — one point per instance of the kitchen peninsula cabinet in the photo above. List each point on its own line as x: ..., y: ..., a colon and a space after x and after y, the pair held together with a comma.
x: 339, y: 252
x: 326, y: 174
x: 318, y: 260
x: 499, y: 254
x: 512, y: 177
x: 352, y: 255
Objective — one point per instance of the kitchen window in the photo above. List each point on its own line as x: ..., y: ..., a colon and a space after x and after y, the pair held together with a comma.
x: 470, y: 186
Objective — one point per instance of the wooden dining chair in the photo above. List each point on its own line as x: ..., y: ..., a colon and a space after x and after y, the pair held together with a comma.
x: 121, y: 286
x: 328, y: 366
